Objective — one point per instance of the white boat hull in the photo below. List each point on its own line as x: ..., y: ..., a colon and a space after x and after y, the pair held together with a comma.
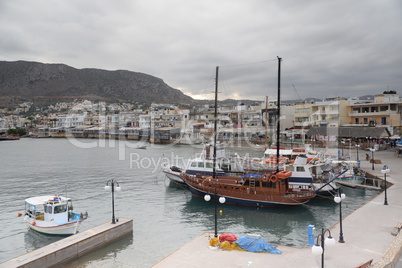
x: 173, y: 176
x: 68, y: 228
x: 350, y: 181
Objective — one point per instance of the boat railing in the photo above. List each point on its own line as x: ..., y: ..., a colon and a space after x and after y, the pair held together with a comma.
x: 35, y: 214
x: 300, y: 190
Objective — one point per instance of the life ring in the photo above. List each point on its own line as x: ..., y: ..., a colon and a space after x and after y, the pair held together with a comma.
x: 265, y: 177
x: 274, y: 178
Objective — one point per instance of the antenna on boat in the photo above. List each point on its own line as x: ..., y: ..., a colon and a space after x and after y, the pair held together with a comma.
x: 63, y: 190
x: 278, y: 131
x: 215, y: 121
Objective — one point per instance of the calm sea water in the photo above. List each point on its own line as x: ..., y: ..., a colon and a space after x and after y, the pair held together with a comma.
x: 165, y: 216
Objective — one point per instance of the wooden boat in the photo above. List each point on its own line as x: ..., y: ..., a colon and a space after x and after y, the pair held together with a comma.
x: 261, y: 190
x: 52, y: 215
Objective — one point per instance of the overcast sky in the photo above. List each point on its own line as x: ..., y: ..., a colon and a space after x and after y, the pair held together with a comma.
x: 329, y: 48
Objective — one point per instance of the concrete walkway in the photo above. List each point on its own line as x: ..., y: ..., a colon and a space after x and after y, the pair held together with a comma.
x: 367, y: 235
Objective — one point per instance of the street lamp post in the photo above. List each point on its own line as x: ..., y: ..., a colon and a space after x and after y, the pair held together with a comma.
x: 110, y: 185
x: 319, y: 249
x: 343, y: 145
x: 222, y: 200
x: 372, y: 158
x: 385, y: 170
x: 338, y: 199
x: 357, y: 150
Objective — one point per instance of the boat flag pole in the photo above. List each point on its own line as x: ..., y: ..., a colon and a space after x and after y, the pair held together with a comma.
x: 278, y: 131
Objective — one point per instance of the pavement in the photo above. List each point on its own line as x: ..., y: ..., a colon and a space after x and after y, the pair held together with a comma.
x: 367, y: 234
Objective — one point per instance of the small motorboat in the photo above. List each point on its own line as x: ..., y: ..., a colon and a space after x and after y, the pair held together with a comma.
x: 52, y: 215
x: 141, y: 147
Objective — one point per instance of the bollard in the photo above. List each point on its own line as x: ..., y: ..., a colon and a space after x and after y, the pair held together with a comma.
x: 310, y: 231
x: 358, y: 163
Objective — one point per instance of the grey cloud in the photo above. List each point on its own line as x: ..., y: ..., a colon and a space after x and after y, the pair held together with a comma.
x: 329, y: 48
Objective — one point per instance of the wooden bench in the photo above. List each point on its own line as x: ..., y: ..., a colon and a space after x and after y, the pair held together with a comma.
x: 365, y: 264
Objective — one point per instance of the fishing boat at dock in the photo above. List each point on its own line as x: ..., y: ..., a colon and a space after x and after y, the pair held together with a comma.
x: 52, y: 215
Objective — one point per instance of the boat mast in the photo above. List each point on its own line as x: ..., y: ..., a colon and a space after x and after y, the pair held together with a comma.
x: 266, y: 123
x: 278, y: 127
x: 215, y: 121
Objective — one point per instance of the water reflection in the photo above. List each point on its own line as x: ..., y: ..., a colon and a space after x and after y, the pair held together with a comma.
x: 276, y: 224
x: 285, y: 225
x: 107, y: 255
x: 34, y: 240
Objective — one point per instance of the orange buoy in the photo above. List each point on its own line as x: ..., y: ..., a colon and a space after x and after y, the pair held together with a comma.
x: 19, y: 214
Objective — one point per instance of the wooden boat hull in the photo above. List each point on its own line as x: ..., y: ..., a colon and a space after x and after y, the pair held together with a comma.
x: 238, y: 194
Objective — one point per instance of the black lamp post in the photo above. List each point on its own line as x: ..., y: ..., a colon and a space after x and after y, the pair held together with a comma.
x: 372, y: 157
x: 319, y: 249
x: 222, y: 200
x: 385, y: 170
x: 343, y: 145
x: 357, y: 149
x: 110, y: 184
x: 338, y: 199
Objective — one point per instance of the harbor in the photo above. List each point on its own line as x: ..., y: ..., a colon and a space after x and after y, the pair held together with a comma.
x: 167, y: 220
x: 370, y: 233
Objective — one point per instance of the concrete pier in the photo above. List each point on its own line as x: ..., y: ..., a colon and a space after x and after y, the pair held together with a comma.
x: 72, y: 247
x: 369, y: 235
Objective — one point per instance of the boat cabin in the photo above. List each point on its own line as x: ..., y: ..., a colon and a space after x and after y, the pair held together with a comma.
x: 48, y: 208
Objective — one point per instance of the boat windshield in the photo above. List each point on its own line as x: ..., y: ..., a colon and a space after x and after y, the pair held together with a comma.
x: 208, y: 165
x: 57, y: 209
x: 60, y: 208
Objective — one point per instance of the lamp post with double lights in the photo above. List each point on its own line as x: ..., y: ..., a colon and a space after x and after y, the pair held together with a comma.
x: 319, y: 247
x: 111, y: 185
x: 338, y: 199
x: 222, y: 200
x: 384, y: 171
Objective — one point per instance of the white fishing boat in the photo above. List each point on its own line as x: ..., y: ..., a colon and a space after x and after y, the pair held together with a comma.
x: 203, y: 165
x: 353, y: 177
x: 319, y: 174
x: 195, y: 166
x: 52, y: 215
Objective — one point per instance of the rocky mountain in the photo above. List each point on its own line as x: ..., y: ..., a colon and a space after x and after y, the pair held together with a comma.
x: 50, y: 83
